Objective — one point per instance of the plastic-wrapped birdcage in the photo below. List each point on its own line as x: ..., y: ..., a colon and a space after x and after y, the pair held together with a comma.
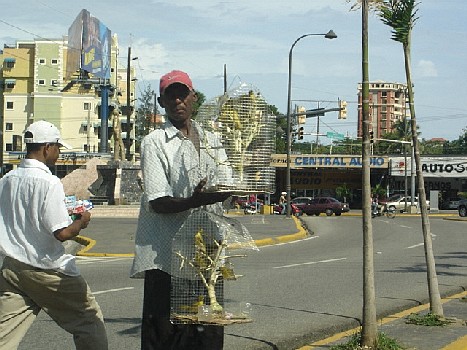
x: 204, y: 252
x: 247, y: 132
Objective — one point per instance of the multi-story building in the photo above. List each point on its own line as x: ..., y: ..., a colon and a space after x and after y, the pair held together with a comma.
x: 33, y: 86
x: 387, y: 102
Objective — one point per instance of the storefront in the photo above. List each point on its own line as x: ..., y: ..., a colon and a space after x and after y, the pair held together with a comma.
x: 320, y: 175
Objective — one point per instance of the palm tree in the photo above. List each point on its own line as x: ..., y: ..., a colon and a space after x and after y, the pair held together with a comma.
x: 369, y: 327
x: 401, y: 16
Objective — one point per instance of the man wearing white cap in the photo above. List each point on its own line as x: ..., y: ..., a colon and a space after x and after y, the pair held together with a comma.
x: 37, y: 274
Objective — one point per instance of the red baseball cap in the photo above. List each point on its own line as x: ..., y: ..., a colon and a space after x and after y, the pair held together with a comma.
x: 175, y: 76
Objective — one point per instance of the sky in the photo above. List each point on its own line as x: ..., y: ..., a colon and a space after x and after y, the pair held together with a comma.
x: 253, y: 39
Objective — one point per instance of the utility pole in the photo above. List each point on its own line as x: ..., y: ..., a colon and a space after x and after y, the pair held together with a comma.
x: 225, y: 78
x: 128, y: 110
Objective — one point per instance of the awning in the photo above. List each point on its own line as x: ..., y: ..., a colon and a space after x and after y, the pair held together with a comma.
x: 10, y: 81
x: 9, y: 60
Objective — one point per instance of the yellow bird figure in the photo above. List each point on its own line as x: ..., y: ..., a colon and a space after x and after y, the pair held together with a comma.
x: 201, y: 260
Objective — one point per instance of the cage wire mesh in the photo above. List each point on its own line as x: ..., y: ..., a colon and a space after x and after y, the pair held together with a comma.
x: 204, y: 251
x: 247, y: 132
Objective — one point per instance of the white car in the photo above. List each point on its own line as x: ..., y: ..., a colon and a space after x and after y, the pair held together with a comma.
x: 398, y: 202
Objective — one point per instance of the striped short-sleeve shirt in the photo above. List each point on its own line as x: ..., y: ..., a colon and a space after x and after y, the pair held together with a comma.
x: 171, y: 166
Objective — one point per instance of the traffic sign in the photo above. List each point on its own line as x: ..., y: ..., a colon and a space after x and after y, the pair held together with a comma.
x: 335, y: 135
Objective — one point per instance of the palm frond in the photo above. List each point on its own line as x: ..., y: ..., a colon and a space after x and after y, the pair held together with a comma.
x: 401, y: 16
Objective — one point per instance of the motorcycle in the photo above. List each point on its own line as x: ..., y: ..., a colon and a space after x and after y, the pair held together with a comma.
x: 250, y: 209
x: 296, y: 211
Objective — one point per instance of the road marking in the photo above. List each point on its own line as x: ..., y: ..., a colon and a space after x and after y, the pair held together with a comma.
x: 415, y: 246
x: 291, y: 242
x: 309, y: 263
x: 86, y: 260
x: 112, y: 290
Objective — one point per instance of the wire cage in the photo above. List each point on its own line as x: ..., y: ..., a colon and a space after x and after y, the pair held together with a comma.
x: 247, y: 132
x: 203, y: 254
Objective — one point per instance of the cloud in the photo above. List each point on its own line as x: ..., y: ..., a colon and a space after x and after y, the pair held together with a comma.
x: 426, y: 69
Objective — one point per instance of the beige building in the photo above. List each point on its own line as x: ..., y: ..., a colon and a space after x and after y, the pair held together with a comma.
x: 33, y: 87
x: 387, y: 104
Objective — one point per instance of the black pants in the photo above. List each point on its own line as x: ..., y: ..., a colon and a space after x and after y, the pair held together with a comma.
x: 158, y: 333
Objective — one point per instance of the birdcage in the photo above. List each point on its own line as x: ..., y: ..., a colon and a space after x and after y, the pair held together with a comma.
x: 246, y: 129
x: 204, y: 252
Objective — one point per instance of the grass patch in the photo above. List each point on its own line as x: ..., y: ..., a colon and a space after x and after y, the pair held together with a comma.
x: 428, y: 319
x: 384, y: 343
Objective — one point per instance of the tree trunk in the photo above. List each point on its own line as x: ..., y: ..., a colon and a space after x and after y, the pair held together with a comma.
x: 369, y: 327
x: 433, y: 290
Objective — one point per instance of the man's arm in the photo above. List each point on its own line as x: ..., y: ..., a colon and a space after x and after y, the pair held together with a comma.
x: 74, y: 228
x: 166, y: 205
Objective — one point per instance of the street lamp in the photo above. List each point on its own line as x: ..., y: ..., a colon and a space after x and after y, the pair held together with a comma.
x: 128, y: 111
x: 328, y: 35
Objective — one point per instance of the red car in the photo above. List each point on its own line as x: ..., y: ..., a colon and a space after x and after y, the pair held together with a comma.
x: 327, y: 205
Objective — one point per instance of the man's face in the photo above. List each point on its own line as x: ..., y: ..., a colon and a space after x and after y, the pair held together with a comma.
x: 178, y: 102
x: 52, y: 153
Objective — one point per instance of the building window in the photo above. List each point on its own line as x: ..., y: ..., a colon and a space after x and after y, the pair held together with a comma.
x: 41, y: 81
x: 42, y: 61
x: 8, y: 126
x: 87, y: 106
x: 54, y: 82
x: 9, y: 147
x: 54, y: 61
x: 9, y: 65
x: 17, y: 142
x: 9, y: 105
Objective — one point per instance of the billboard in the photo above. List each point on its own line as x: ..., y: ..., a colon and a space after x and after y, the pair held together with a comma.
x: 89, y: 47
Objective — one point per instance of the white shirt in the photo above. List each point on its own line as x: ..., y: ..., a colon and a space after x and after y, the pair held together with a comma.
x: 172, y: 167
x: 32, y: 208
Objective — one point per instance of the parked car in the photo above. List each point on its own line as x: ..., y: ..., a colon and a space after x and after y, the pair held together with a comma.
x: 397, y: 202
x: 462, y: 208
x: 327, y: 205
x: 451, y: 203
x: 300, y: 201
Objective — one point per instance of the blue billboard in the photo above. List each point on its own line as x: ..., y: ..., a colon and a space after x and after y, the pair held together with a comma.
x: 89, y: 46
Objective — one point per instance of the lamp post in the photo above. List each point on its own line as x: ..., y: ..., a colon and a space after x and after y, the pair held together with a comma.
x: 128, y: 111
x: 328, y: 35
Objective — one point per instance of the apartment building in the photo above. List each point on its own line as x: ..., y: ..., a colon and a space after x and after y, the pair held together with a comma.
x: 387, y: 102
x: 34, y: 86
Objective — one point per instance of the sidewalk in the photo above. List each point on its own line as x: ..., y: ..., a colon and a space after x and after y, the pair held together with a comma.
x: 450, y: 337
x: 273, y: 229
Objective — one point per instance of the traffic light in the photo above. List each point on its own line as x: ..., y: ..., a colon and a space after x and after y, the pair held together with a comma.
x: 301, y: 118
x: 342, y: 109
x: 371, y: 136
x: 300, y: 133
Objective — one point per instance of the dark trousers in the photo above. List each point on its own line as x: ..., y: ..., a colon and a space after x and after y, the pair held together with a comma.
x: 158, y: 333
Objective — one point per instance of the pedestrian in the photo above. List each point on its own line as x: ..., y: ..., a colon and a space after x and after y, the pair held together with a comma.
x: 37, y: 274
x: 374, y: 205
x: 282, y: 202
x: 178, y: 161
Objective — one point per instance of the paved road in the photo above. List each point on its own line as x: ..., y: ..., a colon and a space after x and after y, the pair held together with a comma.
x: 301, y: 292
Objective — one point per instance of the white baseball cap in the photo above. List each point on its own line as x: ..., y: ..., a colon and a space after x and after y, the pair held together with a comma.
x: 45, y: 132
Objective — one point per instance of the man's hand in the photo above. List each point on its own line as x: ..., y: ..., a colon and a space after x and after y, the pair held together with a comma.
x: 84, y: 219
x: 200, y: 197
x: 73, y: 229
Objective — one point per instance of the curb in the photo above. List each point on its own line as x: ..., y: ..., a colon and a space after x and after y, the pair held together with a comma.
x: 302, y: 232
x: 459, y: 344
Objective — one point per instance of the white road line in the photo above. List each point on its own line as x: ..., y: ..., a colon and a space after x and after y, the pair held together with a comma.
x: 308, y: 263
x: 112, y: 290
x: 86, y: 260
x: 415, y: 246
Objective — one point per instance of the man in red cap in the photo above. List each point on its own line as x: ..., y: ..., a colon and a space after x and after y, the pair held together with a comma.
x: 175, y: 165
